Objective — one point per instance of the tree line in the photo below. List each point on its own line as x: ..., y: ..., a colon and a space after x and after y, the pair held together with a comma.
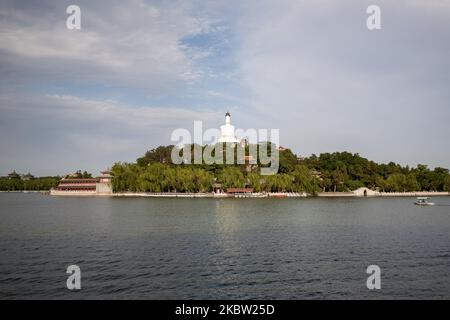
x: 34, y: 184
x: 28, y: 182
x: 335, y: 172
x: 339, y: 171
x: 344, y: 171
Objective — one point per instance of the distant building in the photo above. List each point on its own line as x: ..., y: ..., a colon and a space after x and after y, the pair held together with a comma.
x: 104, y: 185
x: 239, y: 190
x: 316, y: 174
x: 76, y: 185
x: 365, y: 192
x: 13, y: 175
x: 227, y: 131
x: 27, y: 176
x: 250, y: 160
x: 217, y: 188
x: 250, y: 163
x: 244, y: 143
x: 85, y: 186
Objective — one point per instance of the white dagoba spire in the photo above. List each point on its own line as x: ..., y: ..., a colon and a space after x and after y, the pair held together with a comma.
x: 227, y: 131
x: 228, y: 118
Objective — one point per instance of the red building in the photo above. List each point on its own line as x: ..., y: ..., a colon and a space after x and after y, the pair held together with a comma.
x: 100, y: 185
x: 239, y: 190
x: 68, y: 184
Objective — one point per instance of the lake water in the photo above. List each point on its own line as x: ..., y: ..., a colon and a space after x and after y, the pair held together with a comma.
x: 149, y: 248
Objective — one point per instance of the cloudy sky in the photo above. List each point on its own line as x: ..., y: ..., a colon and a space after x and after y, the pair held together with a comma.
x: 137, y: 70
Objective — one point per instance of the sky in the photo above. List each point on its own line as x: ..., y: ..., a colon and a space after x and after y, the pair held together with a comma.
x: 137, y: 70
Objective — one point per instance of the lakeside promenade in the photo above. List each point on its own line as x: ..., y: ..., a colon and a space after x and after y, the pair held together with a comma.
x: 364, y: 192
x: 211, y: 195
x: 353, y: 194
x: 277, y: 195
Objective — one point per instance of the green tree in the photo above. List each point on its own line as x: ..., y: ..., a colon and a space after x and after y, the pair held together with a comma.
x: 447, y: 183
x: 231, y: 177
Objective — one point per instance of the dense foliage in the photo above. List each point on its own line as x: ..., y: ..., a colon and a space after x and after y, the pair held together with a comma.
x: 80, y: 175
x: 34, y: 184
x: 27, y: 182
x: 339, y: 171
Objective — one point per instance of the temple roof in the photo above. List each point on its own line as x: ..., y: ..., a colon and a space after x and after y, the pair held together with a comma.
x: 14, y: 174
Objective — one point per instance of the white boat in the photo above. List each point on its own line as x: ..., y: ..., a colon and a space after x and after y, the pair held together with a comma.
x: 423, y: 201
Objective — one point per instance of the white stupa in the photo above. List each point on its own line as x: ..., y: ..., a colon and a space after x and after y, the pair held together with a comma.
x: 227, y: 131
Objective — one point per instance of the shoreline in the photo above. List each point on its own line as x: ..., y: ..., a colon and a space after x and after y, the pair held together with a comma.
x: 383, y: 194
x: 252, y: 195
x: 24, y: 191
x: 276, y: 195
x: 282, y: 195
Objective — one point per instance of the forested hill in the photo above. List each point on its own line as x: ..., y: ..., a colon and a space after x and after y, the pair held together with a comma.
x: 339, y: 171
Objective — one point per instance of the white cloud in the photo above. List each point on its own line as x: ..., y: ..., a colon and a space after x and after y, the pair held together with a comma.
x: 315, y: 71
x: 309, y: 68
x: 123, y: 43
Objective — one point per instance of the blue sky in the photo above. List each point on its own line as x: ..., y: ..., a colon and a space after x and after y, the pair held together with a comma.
x: 137, y: 70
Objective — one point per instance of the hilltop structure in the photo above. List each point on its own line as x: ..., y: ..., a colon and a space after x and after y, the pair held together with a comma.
x: 227, y: 131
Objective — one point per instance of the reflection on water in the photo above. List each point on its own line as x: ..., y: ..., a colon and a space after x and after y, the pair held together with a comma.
x: 222, y: 248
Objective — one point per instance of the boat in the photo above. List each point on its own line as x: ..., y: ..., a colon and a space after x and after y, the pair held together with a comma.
x: 423, y: 201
